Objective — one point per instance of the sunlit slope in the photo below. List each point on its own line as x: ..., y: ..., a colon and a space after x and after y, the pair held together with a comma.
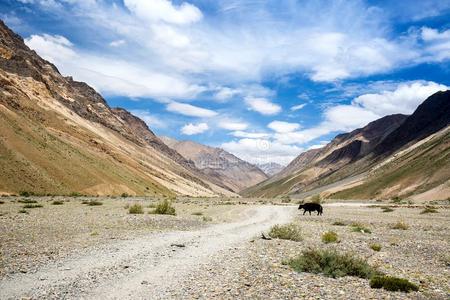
x: 59, y: 136
x: 415, y: 171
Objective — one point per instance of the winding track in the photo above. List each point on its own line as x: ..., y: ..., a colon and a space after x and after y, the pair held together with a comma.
x: 143, y: 268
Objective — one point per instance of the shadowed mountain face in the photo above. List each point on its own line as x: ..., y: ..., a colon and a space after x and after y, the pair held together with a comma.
x: 60, y: 136
x: 221, y: 167
x: 431, y: 116
x: 362, y: 150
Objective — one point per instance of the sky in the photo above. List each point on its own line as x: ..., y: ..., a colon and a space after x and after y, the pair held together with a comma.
x: 264, y: 80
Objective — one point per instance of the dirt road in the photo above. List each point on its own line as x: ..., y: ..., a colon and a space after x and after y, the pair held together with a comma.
x: 142, y: 268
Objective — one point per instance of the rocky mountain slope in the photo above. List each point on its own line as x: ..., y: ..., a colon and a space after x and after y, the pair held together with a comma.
x: 221, y: 167
x: 59, y: 136
x: 364, y: 150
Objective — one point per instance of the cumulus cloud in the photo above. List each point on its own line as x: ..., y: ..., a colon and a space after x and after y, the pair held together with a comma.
x: 165, y: 10
x: 260, y: 151
x: 364, y: 109
x: 190, y: 110
x: 262, y: 105
x: 232, y: 125
x: 283, y: 127
x: 191, y: 129
x: 110, y: 76
x: 436, y: 44
x: 404, y: 99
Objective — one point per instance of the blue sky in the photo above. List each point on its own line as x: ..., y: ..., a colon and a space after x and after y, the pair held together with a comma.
x: 265, y: 80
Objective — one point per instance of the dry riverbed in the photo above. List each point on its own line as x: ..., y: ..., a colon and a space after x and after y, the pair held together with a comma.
x: 79, y: 251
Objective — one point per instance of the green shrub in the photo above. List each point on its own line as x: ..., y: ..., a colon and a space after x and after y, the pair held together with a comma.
x: 358, y: 227
x: 197, y: 213
x: 339, y: 223
x: 387, y: 209
x: 23, y: 211
x: 27, y: 201
x: 26, y: 194
x: 331, y: 264
x: 286, y: 232
x: 75, y: 194
x: 164, y: 208
x: 396, y: 199
x: 57, y: 202
x: 32, y: 206
x: 429, y: 210
x: 124, y: 195
x: 392, y: 284
x: 329, y: 237
x: 375, y: 247
x: 206, y: 219
x: 2, y: 202
x: 400, y: 225
x: 136, y: 209
x: 92, y: 202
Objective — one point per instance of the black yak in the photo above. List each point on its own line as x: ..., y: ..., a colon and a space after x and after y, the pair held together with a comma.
x: 311, y: 207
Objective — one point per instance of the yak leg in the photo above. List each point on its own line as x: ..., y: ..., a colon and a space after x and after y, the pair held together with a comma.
x: 304, y: 212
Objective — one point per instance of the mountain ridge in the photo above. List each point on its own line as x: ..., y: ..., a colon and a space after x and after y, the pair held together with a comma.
x: 59, y: 136
x: 357, y: 152
x: 222, y: 167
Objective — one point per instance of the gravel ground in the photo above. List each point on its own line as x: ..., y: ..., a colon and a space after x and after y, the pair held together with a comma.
x: 30, y: 240
x: 255, y: 269
x: 149, y: 258
x: 140, y: 268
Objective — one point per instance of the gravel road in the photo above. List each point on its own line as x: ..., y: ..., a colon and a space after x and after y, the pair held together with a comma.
x: 144, y: 267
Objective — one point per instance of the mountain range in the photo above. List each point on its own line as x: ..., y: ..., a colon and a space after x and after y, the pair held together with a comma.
x: 395, y: 156
x: 59, y: 136
x: 221, y: 167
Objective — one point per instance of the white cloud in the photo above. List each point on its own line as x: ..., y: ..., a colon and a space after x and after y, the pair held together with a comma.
x: 364, y: 109
x: 151, y: 120
x: 430, y: 34
x: 54, y: 48
x: 404, y: 99
x: 164, y: 10
x: 110, y: 76
x: 283, y: 127
x: 190, y: 110
x: 225, y: 93
x: 260, y: 151
x: 298, y: 107
x: 436, y: 45
x: 318, y: 146
x: 117, y: 43
x: 191, y: 129
x: 262, y: 105
x: 232, y: 125
x: 252, y: 135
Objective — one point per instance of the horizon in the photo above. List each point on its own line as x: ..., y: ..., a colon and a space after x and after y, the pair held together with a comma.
x: 264, y: 80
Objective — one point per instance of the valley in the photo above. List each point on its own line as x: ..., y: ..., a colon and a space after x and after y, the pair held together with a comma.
x: 145, y: 156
